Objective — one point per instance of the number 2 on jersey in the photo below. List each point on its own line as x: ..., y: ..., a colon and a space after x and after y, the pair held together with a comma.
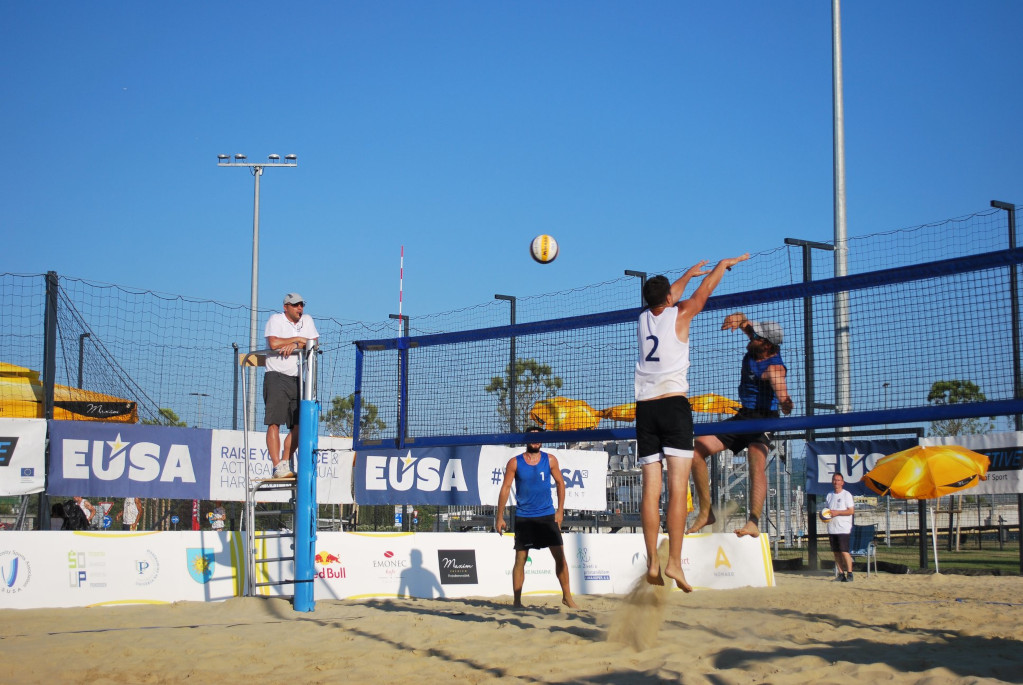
x: 650, y: 355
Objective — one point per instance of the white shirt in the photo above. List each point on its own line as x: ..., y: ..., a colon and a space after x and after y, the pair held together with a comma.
x: 663, y: 365
x: 280, y: 326
x: 840, y: 524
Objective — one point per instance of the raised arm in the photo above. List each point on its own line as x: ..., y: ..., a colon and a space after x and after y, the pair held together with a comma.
x: 679, y: 286
x: 694, y: 305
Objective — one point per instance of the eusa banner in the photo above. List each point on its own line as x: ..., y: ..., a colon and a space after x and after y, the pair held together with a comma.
x: 469, y: 476
x: 851, y: 458
x: 95, y: 459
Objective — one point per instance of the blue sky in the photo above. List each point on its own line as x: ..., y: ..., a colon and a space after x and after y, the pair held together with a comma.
x: 641, y: 135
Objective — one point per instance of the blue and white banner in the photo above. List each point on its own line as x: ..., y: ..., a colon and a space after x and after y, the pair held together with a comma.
x: 1005, y: 450
x: 432, y: 475
x: 851, y: 458
x: 469, y: 476
x: 22, y: 456
x: 93, y: 459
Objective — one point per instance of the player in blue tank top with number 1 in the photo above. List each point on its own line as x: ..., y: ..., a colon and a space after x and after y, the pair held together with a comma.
x: 537, y: 521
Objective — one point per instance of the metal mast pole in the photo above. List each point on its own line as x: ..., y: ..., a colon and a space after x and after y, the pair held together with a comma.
x: 842, y: 391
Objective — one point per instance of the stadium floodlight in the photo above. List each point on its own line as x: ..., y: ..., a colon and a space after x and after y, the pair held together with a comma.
x: 256, y: 168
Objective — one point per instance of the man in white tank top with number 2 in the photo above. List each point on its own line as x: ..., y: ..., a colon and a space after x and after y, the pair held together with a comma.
x: 664, y: 419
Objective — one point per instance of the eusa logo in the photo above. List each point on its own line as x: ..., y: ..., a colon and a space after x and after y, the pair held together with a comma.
x: 425, y: 474
x: 109, y: 460
x: 15, y: 572
x: 574, y: 478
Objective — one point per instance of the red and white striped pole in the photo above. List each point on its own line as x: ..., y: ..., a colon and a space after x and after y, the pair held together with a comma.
x: 401, y: 288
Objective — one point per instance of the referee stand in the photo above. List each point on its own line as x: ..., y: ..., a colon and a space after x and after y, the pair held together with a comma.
x: 301, y: 506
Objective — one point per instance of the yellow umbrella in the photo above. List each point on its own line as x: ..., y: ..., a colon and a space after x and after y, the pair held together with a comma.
x: 927, y: 472
x: 710, y: 403
x: 563, y: 413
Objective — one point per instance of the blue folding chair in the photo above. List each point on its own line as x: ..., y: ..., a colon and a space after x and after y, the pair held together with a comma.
x: 861, y: 544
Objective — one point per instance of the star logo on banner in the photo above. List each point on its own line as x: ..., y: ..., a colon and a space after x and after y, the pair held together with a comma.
x: 116, y: 445
x: 407, y: 460
x: 856, y: 457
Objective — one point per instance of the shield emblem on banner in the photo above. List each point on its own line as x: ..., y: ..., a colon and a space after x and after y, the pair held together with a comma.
x: 200, y: 564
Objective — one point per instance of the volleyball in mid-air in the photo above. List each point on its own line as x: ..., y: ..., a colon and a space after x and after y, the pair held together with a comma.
x: 825, y: 514
x: 544, y: 249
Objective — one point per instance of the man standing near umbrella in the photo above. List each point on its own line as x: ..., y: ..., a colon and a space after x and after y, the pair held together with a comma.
x: 840, y: 502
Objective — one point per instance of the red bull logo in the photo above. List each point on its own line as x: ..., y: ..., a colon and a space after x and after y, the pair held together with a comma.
x: 327, y: 558
x: 327, y: 562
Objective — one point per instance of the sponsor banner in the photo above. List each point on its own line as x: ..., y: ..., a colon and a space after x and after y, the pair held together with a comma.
x: 334, y: 459
x: 457, y: 566
x: 851, y: 458
x: 65, y: 569
x: 1005, y: 450
x: 22, y: 456
x: 433, y: 475
x: 68, y: 569
x: 469, y: 476
x: 431, y: 565
x: 584, y: 473
x: 89, y: 458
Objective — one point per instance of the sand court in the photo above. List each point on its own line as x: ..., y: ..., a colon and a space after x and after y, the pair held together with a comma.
x: 902, y: 629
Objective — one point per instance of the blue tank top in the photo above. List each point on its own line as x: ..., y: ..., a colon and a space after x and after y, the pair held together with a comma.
x: 533, y: 487
x: 755, y: 392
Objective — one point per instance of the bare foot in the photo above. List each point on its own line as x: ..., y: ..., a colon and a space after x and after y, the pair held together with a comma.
x: 702, y: 520
x: 653, y: 574
x: 676, y: 574
x: 569, y: 602
x: 518, y: 605
x: 749, y: 529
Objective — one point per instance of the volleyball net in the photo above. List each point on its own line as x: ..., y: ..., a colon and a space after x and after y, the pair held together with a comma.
x: 926, y: 342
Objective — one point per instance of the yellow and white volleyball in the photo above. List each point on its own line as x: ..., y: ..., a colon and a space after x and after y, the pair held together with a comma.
x: 544, y: 249
x: 825, y: 514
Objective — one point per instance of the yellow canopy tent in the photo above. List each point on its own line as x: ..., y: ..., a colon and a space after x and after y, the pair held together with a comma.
x: 22, y: 397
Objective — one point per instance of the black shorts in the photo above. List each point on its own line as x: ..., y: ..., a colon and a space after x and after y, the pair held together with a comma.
x: 839, y: 541
x: 737, y: 442
x: 537, y: 532
x: 664, y: 427
x: 280, y: 395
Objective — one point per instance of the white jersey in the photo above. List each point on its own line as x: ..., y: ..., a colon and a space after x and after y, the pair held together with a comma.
x: 280, y: 326
x: 663, y: 365
x: 839, y: 525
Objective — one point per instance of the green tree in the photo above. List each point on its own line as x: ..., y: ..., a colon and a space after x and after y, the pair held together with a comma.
x: 957, y: 392
x: 533, y: 382
x: 340, y: 418
x: 167, y: 417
